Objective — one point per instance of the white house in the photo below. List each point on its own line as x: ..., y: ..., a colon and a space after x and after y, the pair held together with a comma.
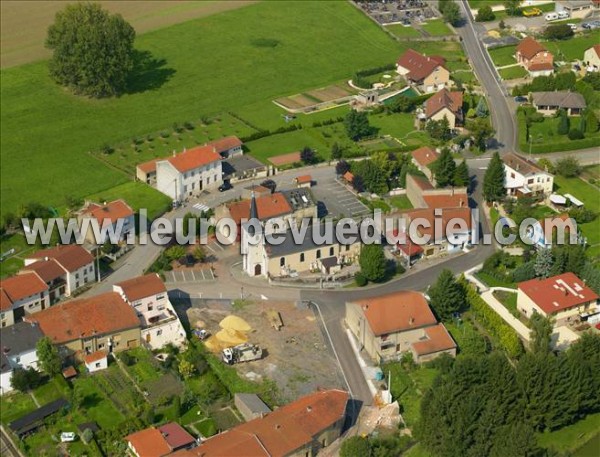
x: 22, y: 294
x: 148, y: 296
x: 523, y: 177
x: 189, y: 173
x: 64, y: 269
x: 96, y: 361
x: 18, y: 350
x: 591, y: 58
x: 116, y: 216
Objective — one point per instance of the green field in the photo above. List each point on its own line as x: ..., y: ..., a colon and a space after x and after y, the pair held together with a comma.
x: 452, y: 51
x: 437, y: 27
x: 400, y: 202
x: 14, y: 262
x: 138, y: 195
x: 205, y: 67
x: 513, y: 72
x: 573, y: 48
x: 573, y: 436
x: 503, y: 55
x: 403, y: 32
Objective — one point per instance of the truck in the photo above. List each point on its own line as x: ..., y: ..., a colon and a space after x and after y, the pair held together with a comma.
x: 242, y: 353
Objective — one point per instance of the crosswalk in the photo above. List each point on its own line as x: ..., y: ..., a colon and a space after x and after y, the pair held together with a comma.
x: 201, y: 207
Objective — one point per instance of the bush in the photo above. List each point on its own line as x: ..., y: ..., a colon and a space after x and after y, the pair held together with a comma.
x: 127, y: 359
x: 568, y: 167
x: 558, y: 32
x: 576, y: 134
x: 360, y: 279
x: 485, y: 14
x: 582, y: 215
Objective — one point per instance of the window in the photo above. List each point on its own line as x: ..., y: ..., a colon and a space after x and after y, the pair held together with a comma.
x: 160, y: 297
x: 158, y: 332
x: 282, y: 262
x: 331, y: 251
x: 97, y: 364
x: 302, y: 257
x: 193, y: 185
x: 150, y: 307
x: 318, y: 253
x: 347, y: 247
x: 208, y: 181
x: 185, y: 188
x: 100, y: 345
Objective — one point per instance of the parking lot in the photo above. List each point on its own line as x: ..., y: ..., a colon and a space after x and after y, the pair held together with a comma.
x: 191, y: 275
x: 401, y: 11
x: 338, y: 200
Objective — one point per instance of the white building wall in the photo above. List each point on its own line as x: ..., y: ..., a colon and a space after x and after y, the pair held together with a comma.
x: 5, y: 386
x: 168, y: 180
x: 98, y: 365
x: 80, y: 277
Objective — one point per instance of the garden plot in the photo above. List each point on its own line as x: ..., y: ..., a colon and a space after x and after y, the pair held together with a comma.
x: 317, y: 98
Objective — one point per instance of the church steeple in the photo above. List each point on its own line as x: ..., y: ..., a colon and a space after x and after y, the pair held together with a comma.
x: 253, y: 209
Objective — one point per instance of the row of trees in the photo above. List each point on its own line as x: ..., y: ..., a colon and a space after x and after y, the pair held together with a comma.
x: 447, y: 173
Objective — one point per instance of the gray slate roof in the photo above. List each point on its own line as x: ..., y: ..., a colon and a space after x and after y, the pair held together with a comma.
x: 19, y: 338
x: 254, y: 403
x: 561, y: 98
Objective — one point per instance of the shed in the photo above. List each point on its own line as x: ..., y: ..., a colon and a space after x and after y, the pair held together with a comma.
x: 96, y: 361
x: 250, y: 406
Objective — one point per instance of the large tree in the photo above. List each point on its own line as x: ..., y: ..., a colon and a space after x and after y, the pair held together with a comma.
x: 48, y: 356
x: 92, y: 50
x: 373, y: 262
x: 444, y: 169
x: 493, y: 180
x: 357, y: 125
x: 543, y: 263
x: 447, y: 295
x: 541, y: 332
x: 461, y: 175
x: 481, y: 131
x: 452, y: 14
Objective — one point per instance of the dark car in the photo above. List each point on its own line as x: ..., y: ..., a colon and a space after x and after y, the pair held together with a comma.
x: 225, y: 186
x: 521, y: 99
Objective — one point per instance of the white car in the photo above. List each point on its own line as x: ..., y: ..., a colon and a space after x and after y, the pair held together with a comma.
x: 551, y: 16
x: 573, y: 26
x: 563, y: 15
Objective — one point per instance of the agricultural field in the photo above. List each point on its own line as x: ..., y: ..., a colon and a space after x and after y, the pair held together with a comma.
x: 437, y: 27
x: 504, y: 55
x: 513, y: 72
x: 170, y: 88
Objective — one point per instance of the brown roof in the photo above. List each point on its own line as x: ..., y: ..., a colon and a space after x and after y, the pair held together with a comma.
x: 149, y: 443
x: 447, y: 214
x: 348, y: 176
x: 437, y: 339
x: 444, y: 99
x: 529, y: 47
x: 521, y: 164
x: 69, y: 256
x: 418, y: 65
x: 285, y: 159
x: 95, y: 357
x: 112, y: 211
x: 410, y: 249
x: 397, y: 312
x: 596, y: 47
x: 101, y: 314
x: 194, y: 158
x: 425, y: 156
x: 21, y: 286
x: 279, y: 433
x: 304, y: 179
x: 458, y: 199
x: 69, y: 372
x: 47, y: 270
x: 561, y: 98
x: 558, y: 292
x: 142, y: 287
x: 175, y: 435
x: 5, y: 301
x: 421, y: 182
x: 540, y: 66
x: 148, y: 167
x: 268, y: 207
x: 225, y: 144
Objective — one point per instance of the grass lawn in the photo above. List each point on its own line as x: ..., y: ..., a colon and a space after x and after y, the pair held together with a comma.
x: 52, y: 390
x: 541, y: 211
x: 509, y: 300
x: 573, y: 48
x: 138, y: 195
x: 513, y: 72
x: 14, y: 406
x: 143, y: 368
x: 14, y: 262
x: 284, y: 143
x: 452, y: 51
x: 207, y: 427
x: 292, y: 52
x: 573, y: 436
x: 397, y: 125
x: 225, y: 419
x: 503, y: 55
x: 469, y: 340
x: 98, y: 407
x: 417, y: 451
x: 593, y: 171
x: 403, y: 32
x: 490, y: 281
x: 437, y: 27
x: 479, y: 3
x: 400, y: 202
x: 465, y: 77
x: 590, y: 448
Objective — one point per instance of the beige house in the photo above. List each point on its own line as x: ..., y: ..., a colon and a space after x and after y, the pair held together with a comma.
x: 564, y: 297
x: 423, y: 158
x: 390, y: 325
x: 524, y: 177
x: 548, y: 103
x: 428, y: 73
x: 81, y: 327
x: 445, y: 104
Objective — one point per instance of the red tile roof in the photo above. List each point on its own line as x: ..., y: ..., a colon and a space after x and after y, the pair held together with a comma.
x: 458, y: 200
x: 279, y: 433
x: 447, y: 214
x: 397, y: 312
x: 529, y: 48
x: 47, y: 270
x: 175, y: 435
x: 437, y: 339
x: 112, y: 211
x: 418, y: 65
x: 268, y: 207
x: 558, y: 292
x: 596, y: 47
x: 304, y: 179
x: 148, y: 167
x: 225, y: 144
x: 425, y: 156
x: 69, y: 372
x: 349, y: 177
x: 95, y: 357
x: 444, y: 99
x: 101, y: 314
x: 5, y: 301
x: 194, y: 158
x: 19, y: 287
x: 142, y: 287
x: 410, y: 249
x: 149, y: 443
x: 71, y: 257
x: 540, y: 66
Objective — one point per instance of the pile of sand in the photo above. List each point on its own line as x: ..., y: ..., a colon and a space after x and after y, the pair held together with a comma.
x: 233, y: 332
x: 235, y: 323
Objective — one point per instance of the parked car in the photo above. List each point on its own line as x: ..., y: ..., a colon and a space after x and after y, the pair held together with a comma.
x: 573, y: 26
x: 563, y: 15
x: 532, y: 12
x: 551, y: 16
x: 521, y: 99
x: 225, y: 186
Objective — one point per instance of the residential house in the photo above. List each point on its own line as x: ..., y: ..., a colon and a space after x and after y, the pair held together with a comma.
x: 577, y: 9
x: 544, y: 232
x: 445, y: 104
x: 534, y: 57
x: 146, y: 172
x: 229, y: 146
x: 423, y: 158
x: 148, y: 296
x: 250, y: 406
x: 429, y: 74
x: 83, y: 326
x: 548, y: 103
x: 523, y: 177
x: 564, y: 297
x: 64, y: 269
x: 299, y: 429
x: 591, y: 58
x: 113, y: 217
x: 18, y: 350
x: 388, y: 326
x: 21, y: 295
x: 189, y: 173
x: 160, y: 441
x: 96, y: 361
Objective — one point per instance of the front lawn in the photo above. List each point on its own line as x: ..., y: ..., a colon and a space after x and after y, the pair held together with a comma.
x: 491, y: 281
x: 570, y: 438
x: 573, y: 48
x: 504, y: 55
x: 97, y: 406
x: 397, y: 125
x: 437, y: 27
x: 509, y: 300
x: 400, y: 202
x: 513, y: 72
x: 403, y: 32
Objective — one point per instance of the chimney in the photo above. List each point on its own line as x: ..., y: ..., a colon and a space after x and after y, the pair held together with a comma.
x: 309, y: 408
x: 184, y: 149
x: 173, y: 152
x: 411, y: 320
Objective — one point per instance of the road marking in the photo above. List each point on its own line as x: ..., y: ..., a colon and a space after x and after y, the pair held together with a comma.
x: 264, y: 297
x: 211, y: 249
x: 194, y: 275
x: 483, y: 168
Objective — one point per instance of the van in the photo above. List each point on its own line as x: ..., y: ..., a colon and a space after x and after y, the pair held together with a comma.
x: 551, y: 16
x: 563, y: 15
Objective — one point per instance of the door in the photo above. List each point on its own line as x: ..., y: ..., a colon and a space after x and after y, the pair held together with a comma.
x: 257, y: 269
